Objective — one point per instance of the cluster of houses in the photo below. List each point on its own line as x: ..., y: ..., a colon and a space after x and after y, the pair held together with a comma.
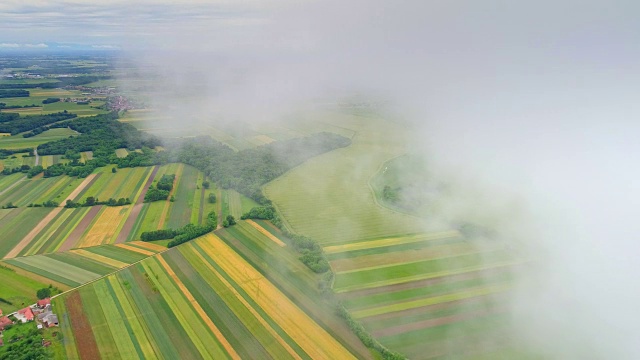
x: 40, y: 312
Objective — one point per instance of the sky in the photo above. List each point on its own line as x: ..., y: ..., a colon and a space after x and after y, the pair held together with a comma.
x: 107, y: 24
x: 532, y: 103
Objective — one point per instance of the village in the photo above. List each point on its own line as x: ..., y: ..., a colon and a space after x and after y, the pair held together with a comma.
x: 41, y: 313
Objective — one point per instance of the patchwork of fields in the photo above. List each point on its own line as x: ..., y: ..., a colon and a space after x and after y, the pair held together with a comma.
x: 200, y: 300
x: 79, y: 266
x: 413, y: 292
x: 37, y: 191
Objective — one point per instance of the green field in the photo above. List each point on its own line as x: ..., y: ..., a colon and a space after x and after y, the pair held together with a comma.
x: 16, y: 289
x: 19, y: 142
x: 20, y: 221
x: 125, y: 183
x: 77, y: 267
x: 39, y: 190
x: 329, y: 197
x: 199, y: 300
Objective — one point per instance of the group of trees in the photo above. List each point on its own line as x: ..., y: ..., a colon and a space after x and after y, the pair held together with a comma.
x: 93, y: 201
x: 99, y: 132
x: 31, y: 122
x: 161, y: 190
x: 13, y: 93
x: 50, y: 100
x: 183, y: 234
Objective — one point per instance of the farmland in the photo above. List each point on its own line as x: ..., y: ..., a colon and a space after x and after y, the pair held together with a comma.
x: 211, y: 304
x: 76, y: 267
x: 413, y: 291
x: 125, y: 183
x: 329, y: 198
x: 19, y: 142
x: 36, y: 191
x: 17, y: 289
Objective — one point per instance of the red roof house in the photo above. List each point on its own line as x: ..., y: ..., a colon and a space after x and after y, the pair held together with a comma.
x: 25, y: 315
x: 4, y: 321
x: 44, y: 302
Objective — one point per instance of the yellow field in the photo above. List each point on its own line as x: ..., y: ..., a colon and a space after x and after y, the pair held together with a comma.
x: 99, y: 258
x: 314, y: 340
x: 391, y: 241
x: 105, y: 227
x: 153, y: 247
x: 138, y: 250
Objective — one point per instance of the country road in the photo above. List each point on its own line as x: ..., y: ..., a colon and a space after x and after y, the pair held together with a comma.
x: 35, y: 152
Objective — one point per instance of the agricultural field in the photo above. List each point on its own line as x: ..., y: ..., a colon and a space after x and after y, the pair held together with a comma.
x: 37, y: 95
x: 189, y: 205
x: 329, y: 197
x: 125, y: 183
x: 17, y: 160
x: 17, y: 289
x: 19, y: 142
x: 79, y: 266
x: 21, y: 221
x: 38, y: 190
x: 199, y: 300
x: 414, y: 292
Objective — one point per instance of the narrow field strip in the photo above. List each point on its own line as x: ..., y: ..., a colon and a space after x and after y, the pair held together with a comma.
x: 149, y: 246
x: 391, y: 241
x: 266, y: 233
x: 135, y: 249
x: 248, y: 306
x: 74, y: 194
x: 425, y: 276
x: 232, y: 353
x: 315, y: 341
x: 167, y: 204
x: 460, y: 295
x: 186, y: 315
x: 103, y: 259
x: 79, y: 229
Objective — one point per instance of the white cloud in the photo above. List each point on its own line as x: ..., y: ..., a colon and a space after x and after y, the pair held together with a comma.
x: 41, y: 45
x: 114, y: 47
x: 5, y: 45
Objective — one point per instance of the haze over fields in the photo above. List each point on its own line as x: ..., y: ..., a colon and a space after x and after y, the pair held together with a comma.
x: 527, y: 111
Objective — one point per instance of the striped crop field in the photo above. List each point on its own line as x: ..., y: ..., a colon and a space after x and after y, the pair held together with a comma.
x: 329, y: 197
x: 37, y: 191
x: 153, y: 215
x: 79, y: 266
x: 21, y: 221
x: 104, y: 228
x: 415, y: 292
x: 199, y: 300
x: 184, y: 193
x: 125, y: 183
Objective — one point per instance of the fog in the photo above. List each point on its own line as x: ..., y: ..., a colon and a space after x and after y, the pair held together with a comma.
x: 529, y: 110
